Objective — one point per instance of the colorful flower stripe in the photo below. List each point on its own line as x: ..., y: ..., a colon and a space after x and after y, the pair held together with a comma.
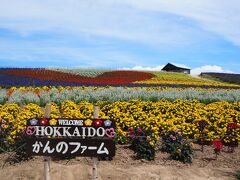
x: 16, y: 81
x: 46, y: 77
x: 107, y: 78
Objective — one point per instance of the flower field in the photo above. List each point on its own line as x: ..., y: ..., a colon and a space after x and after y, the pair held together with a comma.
x: 41, y: 77
x: 199, y: 114
x: 83, y: 77
x: 157, y: 117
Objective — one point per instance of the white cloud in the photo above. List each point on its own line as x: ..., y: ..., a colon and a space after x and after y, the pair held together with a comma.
x: 209, y: 68
x: 127, y: 20
x: 218, y: 16
x: 153, y: 68
x: 159, y: 23
x: 194, y: 72
x: 44, y: 52
x: 142, y: 68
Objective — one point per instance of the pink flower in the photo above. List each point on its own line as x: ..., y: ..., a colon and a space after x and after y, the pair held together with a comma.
x: 133, y: 136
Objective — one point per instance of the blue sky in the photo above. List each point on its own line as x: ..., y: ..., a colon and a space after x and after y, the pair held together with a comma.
x: 128, y: 34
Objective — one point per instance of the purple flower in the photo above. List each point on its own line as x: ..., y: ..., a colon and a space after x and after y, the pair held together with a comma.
x: 139, y: 130
x: 107, y: 123
x: 173, y: 137
x: 133, y: 136
x: 33, y: 122
x: 202, y: 124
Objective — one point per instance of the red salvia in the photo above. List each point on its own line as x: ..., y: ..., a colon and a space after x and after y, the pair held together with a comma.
x: 218, y: 144
x: 111, y: 77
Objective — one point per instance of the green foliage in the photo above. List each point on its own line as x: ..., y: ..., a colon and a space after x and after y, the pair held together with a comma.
x: 238, y: 175
x: 4, y: 147
x: 3, y: 96
x: 5, y: 129
x: 178, y: 147
x: 144, y: 150
x: 19, y: 147
x: 141, y: 145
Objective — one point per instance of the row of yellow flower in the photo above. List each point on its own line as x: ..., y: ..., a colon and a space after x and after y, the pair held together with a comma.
x: 156, y: 117
x: 38, y: 90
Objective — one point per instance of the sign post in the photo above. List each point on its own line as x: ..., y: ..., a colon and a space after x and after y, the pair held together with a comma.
x: 47, y: 158
x: 95, y: 160
x: 67, y: 138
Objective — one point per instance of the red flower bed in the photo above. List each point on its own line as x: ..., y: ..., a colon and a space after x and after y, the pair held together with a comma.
x: 42, y: 74
x: 111, y: 77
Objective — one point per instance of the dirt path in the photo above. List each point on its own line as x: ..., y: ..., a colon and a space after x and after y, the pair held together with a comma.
x: 124, y: 167
x: 115, y: 172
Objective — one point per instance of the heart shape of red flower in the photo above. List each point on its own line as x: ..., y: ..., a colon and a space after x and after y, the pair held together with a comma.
x: 44, y: 122
x: 98, y: 123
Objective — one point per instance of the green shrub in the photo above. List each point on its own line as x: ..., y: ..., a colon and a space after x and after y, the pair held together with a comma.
x: 238, y: 175
x: 179, y: 148
x: 19, y: 147
x: 141, y: 145
x: 5, y: 128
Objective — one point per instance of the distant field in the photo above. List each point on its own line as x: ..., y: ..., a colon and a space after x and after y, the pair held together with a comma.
x: 181, y: 79
x: 224, y: 77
